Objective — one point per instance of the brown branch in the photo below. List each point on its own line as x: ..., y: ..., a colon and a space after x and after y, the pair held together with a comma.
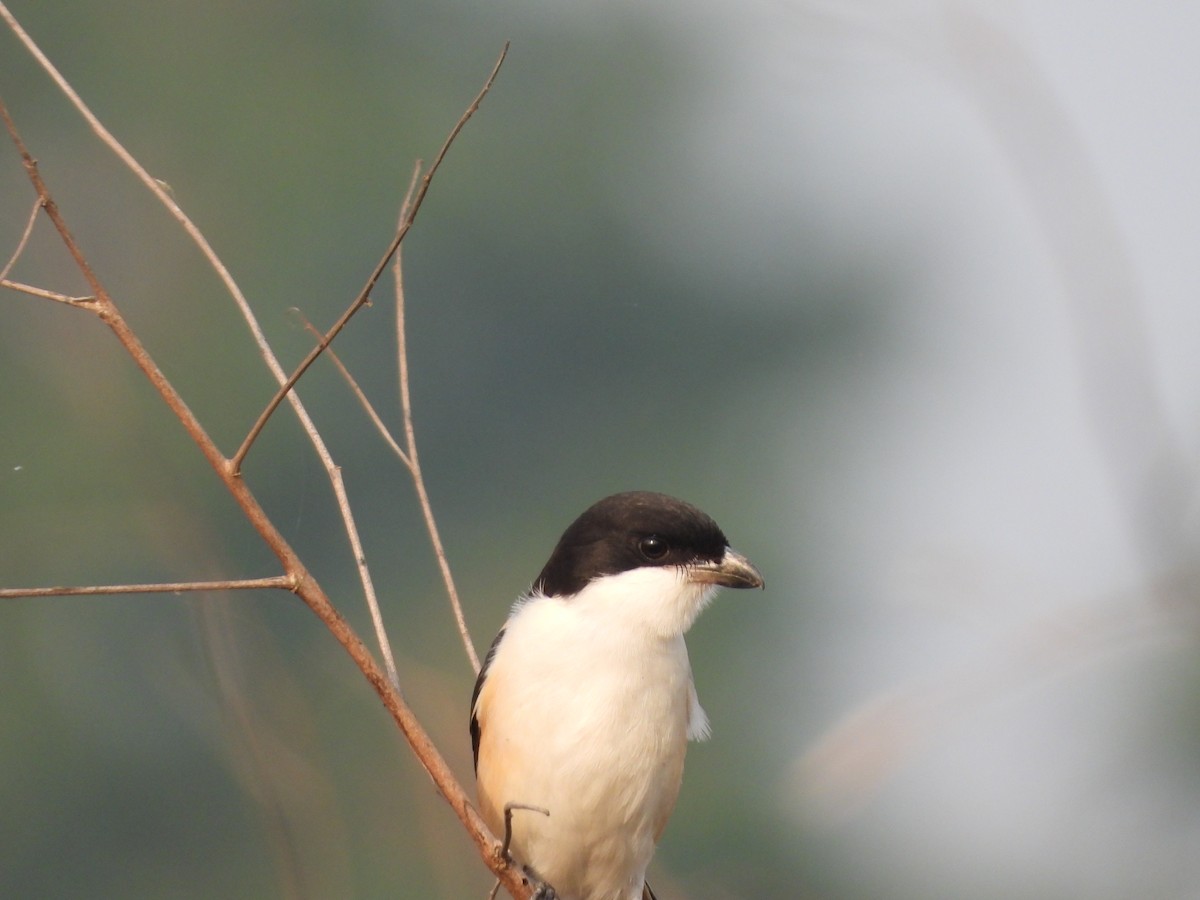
x: 241, y: 584
x: 356, y: 389
x: 45, y: 294
x: 161, y: 190
x: 409, y: 457
x: 303, y: 584
x: 156, y: 186
x: 365, y: 294
x: 360, y: 556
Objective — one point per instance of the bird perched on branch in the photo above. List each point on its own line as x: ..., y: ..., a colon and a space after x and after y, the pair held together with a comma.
x: 583, y: 709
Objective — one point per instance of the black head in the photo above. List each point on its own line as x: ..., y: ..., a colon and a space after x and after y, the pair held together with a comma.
x: 638, y: 529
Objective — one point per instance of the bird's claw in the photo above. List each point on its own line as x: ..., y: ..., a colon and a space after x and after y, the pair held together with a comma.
x: 541, y: 890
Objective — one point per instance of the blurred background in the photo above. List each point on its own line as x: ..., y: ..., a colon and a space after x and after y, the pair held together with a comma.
x: 903, y: 294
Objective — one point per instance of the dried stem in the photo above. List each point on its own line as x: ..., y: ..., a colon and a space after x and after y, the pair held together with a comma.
x: 360, y: 557
x: 364, y: 295
x: 242, y: 584
x: 357, y: 390
x: 408, y: 457
x: 29, y: 223
x: 297, y: 575
x: 851, y: 760
x: 305, y: 585
x: 414, y: 466
x: 45, y: 294
x: 151, y: 183
x: 157, y: 188
x: 1147, y: 467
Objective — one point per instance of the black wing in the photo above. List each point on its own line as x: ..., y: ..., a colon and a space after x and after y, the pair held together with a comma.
x: 487, y: 662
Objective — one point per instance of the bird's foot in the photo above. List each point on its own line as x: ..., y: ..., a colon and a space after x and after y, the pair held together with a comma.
x: 540, y: 890
x: 509, y: 809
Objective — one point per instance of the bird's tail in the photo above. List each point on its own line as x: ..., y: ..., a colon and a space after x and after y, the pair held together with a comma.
x: 647, y: 894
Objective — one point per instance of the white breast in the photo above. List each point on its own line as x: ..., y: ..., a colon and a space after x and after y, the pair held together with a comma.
x: 586, y: 711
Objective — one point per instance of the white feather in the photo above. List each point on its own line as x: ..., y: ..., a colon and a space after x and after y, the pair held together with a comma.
x: 586, y: 710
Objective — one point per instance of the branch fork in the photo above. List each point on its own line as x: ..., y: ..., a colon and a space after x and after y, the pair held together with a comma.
x: 294, y: 576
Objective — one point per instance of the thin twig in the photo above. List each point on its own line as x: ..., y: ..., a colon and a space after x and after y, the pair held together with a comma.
x: 507, y: 842
x: 409, y: 458
x: 156, y: 187
x: 305, y: 585
x: 358, y: 392
x: 360, y: 558
x: 541, y: 889
x: 29, y: 223
x: 45, y: 294
x: 283, y: 582
x: 414, y: 466
x: 365, y: 294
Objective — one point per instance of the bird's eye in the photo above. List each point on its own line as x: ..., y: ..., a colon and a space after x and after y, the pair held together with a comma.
x: 653, y: 547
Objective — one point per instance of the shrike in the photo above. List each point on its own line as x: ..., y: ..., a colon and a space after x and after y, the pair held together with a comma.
x: 585, y: 703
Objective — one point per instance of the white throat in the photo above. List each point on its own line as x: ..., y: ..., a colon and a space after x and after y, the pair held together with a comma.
x: 652, y: 601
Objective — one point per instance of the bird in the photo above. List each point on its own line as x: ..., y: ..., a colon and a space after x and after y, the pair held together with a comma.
x: 585, y: 703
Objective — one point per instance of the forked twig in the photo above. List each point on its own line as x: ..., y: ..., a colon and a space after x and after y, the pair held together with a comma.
x: 355, y: 389
x: 304, y: 584
x: 158, y: 188
x: 364, y: 295
x: 297, y: 576
x: 152, y: 184
x: 414, y: 466
x: 408, y: 457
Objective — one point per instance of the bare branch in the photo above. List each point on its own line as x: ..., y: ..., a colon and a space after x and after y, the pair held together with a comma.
x: 45, y: 294
x: 283, y: 582
x: 154, y: 185
x: 305, y: 585
x: 358, y: 392
x: 343, y: 501
x: 414, y: 466
x: 364, y: 295
x: 302, y: 583
x: 409, y: 457
x: 159, y: 189
x: 29, y: 223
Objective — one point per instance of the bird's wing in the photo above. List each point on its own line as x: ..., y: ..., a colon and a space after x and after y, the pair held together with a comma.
x: 647, y: 894
x: 475, y: 729
x: 698, y: 728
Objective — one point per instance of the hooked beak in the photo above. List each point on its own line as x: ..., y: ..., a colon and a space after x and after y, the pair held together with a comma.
x: 733, y: 570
